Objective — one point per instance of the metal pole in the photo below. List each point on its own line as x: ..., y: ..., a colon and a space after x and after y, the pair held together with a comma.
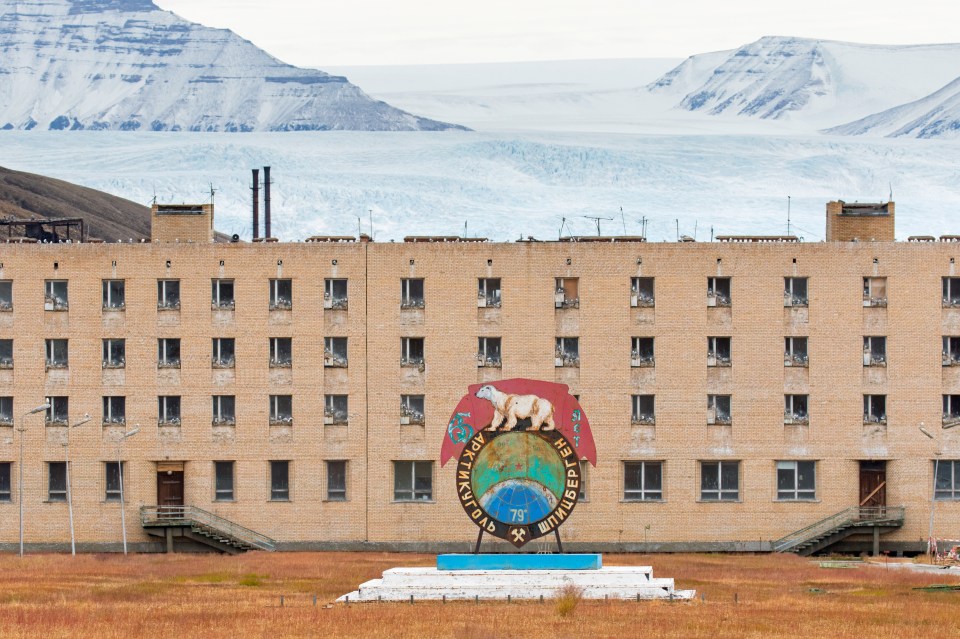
x: 22, y: 430
x: 123, y: 518
x: 933, y: 500
x: 73, y: 537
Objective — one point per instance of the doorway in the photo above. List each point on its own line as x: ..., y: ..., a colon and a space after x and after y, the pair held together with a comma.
x: 873, y: 486
x: 170, y: 491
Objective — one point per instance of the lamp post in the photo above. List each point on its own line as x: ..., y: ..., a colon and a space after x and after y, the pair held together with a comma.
x: 73, y: 537
x: 22, y: 430
x: 933, y: 494
x: 123, y: 517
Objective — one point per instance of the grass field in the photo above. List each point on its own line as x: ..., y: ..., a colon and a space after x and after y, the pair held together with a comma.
x: 168, y: 597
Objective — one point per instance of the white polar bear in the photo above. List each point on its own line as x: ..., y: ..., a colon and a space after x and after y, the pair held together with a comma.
x: 516, y: 407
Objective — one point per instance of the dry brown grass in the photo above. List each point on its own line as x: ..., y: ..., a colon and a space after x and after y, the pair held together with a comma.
x: 174, y: 597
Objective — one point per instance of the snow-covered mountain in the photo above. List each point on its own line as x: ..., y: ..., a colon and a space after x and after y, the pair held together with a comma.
x: 128, y: 65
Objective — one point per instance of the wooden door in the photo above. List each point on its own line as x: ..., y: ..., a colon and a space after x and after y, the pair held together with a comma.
x: 873, y: 484
x: 170, y: 490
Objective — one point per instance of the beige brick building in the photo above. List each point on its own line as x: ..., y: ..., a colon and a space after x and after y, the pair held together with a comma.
x: 738, y: 391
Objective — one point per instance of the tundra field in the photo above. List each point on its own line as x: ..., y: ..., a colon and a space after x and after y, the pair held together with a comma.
x: 181, y: 596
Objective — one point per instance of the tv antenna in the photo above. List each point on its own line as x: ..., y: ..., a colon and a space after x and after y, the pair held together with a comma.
x: 597, y: 220
x: 788, y: 215
x: 213, y: 192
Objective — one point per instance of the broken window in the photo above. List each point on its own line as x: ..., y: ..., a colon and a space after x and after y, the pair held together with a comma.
x: 224, y: 352
x: 6, y: 411
x: 874, y: 291
x: 168, y: 352
x: 642, y: 481
x: 795, y: 351
x: 335, y: 352
x: 55, y: 295
x: 584, y: 465
x: 113, y: 295
x: 874, y: 351
x: 641, y: 292
x: 114, y: 411
x: 222, y: 296
x: 223, y: 478
x: 718, y: 351
x: 643, y: 410
x: 279, y: 481
x: 951, y: 351
x: 337, y: 480
x: 224, y: 410
x: 951, y: 291
x: 794, y: 291
x: 411, y: 410
x: 720, y: 481
x: 168, y: 410
x: 6, y: 494
x: 281, y: 295
x: 335, y: 294
x: 718, y: 291
x: 57, y: 353
x: 281, y: 352
x: 488, y: 352
x: 947, y: 480
x: 168, y: 295
x: 718, y: 409
x: 796, y: 480
x: 335, y: 409
x: 113, y: 480
x: 411, y: 293
x: 567, y: 352
x: 57, y: 411
x: 874, y: 409
x: 795, y: 409
x: 641, y: 351
x: 411, y: 351
x: 281, y: 410
x: 6, y: 353
x: 488, y: 294
x: 56, y: 481
x: 114, y: 353
x: 567, y: 292
x: 951, y: 410
x: 6, y: 295
x: 412, y: 480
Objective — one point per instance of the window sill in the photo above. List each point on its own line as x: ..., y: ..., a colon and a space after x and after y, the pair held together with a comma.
x: 642, y: 501
x: 54, y: 501
x: 280, y: 501
x: 335, y: 501
x: 414, y: 501
x: 719, y: 501
x: 224, y: 501
x: 804, y: 500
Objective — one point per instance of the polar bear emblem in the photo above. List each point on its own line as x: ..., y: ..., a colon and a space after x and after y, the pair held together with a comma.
x: 515, y: 407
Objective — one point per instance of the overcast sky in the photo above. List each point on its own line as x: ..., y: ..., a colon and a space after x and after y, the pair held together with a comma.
x: 361, y: 32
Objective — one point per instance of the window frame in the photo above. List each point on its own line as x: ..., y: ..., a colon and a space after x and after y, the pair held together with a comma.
x: 793, y: 494
x: 951, y: 292
x: 409, y: 414
x: 108, y: 293
x: 337, y: 493
x: 643, y: 493
x: 723, y: 494
x: 868, y: 409
x: 6, y: 482
x: 58, y: 413
x: 714, y: 357
x: 277, y: 359
x: 6, y: 359
x: 278, y: 492
x: 222, y: 493
x: 165, y: 405
x: 950, y: 350
x: 219, y: 299
x: 332, y: 298
x: 6, y: 296
x: 637, y: 416
x: 57, y: 494
x: 716, y: 296
x: 217, y: 357
x: 111, y: 495
x: 163, y: 294
x: 951, y: 490
x: 871, y: 356
x: 486, y: 358
x: 639, y: 297
x: 415, y: 495
x: 565, y: 358
x: 51, y: 348
x: 336, y: 409
x: 223, y: 410
x: 52, y: 300
x: 110, y: 357
x: 336, y: 353
x: 276, y: 419
x: 408, y: 360
x: 566, y: 292
x: 791, y: 404
x: 718, y: 420
x: 112, y: 404
x: 791, y: 358
x: 489, y: 292
x: 408, y: 297
x: 6, y: 411
x: 875, y: 291
x: 640, y: 356
x: 277, y: 301
x: 793, y: 299
x: 166, y: 346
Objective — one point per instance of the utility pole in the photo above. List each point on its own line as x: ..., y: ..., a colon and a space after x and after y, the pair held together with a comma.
x: 123, y: 518
x: 22, y: 430
x: 73, y: 537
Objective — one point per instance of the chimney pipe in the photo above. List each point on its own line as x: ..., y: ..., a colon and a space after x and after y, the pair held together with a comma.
x: 256, y: 203
x: 266, y: 202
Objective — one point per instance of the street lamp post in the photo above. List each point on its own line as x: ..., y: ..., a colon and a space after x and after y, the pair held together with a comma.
x: 123, y: 517
x: 931, y: 545
x: 73, y: 537
x: 22, y: 430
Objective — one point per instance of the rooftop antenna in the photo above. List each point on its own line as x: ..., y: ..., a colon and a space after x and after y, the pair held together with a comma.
x: 370, y: 211
x: 623, y: 220
x: 677, y: 220
x: 695, y: 230
x: 465, y: 236
x: 359, y: 231
x: 891, y: 192
x: 597, y: 220
x: 711, y: 232
x: 563, y: 222
x: 643, y: 226
x: 213, y: 192
x: 788, y: 215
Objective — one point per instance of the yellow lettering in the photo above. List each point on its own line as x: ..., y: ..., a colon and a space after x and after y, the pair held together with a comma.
x: 476, y: 514
x: 565, y: 451
x: 543, y: 527
x: 570, y: 494
x: 491, y: 527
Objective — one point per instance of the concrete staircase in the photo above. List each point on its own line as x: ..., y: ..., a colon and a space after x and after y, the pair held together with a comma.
x: 194, y: 524
x: 856, y: 520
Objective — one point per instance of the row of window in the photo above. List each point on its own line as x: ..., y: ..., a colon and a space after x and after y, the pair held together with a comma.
x: 280, y: 296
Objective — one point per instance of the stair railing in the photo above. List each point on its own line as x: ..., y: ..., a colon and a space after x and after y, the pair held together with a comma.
x: 191, y: 515
x: 853, y: 515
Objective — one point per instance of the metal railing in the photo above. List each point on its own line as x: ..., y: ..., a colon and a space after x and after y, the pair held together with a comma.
x: 855, y: 515
x: 192, y: 516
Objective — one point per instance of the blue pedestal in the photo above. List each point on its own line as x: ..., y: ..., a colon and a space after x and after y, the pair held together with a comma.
x: 520, y: 562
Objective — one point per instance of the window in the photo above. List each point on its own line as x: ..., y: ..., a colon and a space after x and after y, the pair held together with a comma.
x: 582, y: 495
x: 718, y: 351
x: 411, y: 293
x: 168, y: 410
x: 223, y: 352
x: 6, y: 353
x: 281, y: 295
x: 335, y: 409
x: 6, y: 295
x: 720, y: 481
x: 567, y: 292
x: 335, y: 352
x: 56, y: 481
x: 335, y: 294
x: 795, y: 352
x: 113, y: 481
x: 567, y: 352
x: 224, y: 410
x: 412, y: 480
x: 168, y: 295
x: 947, y: 480
x: 6, y: 411
x: 641, y: 352
x: 642, y: 411
x: 222, y: 296
x: 113, y: 295
x: 336, y: 481
x: 874, y: 291
x: 55, y: 295
x: 411, y: 351
x: 488, y: 352
x: 874, y: 409
x: 795, y: 409
x: 796, y: 480
x: 718, y: 409
x: 488, y: 295
x: 6, y: 494
x: 641, y: 292
x: 114, y: 411
x: 223, y: 481
x: 642, y: 481
x: 794, y: 291
x: 279, y: 481
x: 58, y: 412
x: 718, y: 291
x: 951, y: 410
x: 951, y: 351
x: 411, y: 410
x: 281, y: 410
x: 281, y: 352
x: 168, y: 352
x: 874, y: 351
x: 114, y: 353
x: 951, y: 291
x: 57, y: 353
